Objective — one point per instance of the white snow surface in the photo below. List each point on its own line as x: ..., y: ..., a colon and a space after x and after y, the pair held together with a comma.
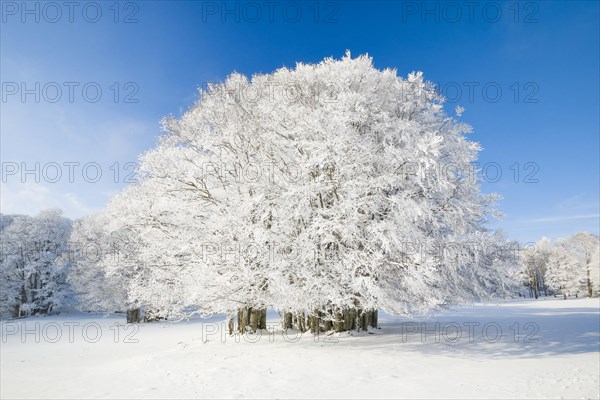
x: 554, y: 355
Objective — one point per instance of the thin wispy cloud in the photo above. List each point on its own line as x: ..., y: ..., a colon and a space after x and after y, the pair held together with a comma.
x: 558, y: 218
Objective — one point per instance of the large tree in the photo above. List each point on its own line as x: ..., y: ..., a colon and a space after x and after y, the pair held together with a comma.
x: 327, y: 190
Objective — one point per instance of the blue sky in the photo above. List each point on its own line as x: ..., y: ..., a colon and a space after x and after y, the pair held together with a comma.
x: 526, y: 73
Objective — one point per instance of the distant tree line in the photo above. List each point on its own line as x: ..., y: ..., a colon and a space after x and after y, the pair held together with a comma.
x: 567, y: 267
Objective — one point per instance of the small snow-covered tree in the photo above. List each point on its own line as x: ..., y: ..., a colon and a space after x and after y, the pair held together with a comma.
x: 94, y: 287
x: 573, y: 265
x: 586, y: 248
x: 561, y: 271
x: 155, y: 265
x: 33, y: 271
x: 535, y: 261
x: 568, y: 266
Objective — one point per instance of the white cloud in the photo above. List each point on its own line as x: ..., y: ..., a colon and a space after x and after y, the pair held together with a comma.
x: 559, y: 218
x: 579, y: 202
x: 30, y: 198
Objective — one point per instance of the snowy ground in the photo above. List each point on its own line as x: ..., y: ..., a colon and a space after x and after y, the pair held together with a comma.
x: 554, y: 354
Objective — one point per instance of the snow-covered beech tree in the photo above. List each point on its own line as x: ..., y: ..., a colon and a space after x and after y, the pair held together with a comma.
x: 567, y: 266
x: 573, y: 267
x: 586, y: 248
x: 33, y: 264
x: 188, y: 230
x: 95, y: 289
x: 154, y: 264
x: 560, y: 271
x: 326, y: 191
x: 534, y: 259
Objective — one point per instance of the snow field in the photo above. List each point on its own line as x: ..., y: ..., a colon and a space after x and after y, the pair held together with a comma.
x: 518, y: 349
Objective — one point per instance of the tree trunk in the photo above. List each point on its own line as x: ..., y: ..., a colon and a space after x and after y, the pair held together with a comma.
x: 327, y: 325
x: 254, y: 318
x: 16, y: 311
x: 243, y: 319
x: 350, y: 319
x: 374, y: 316
x: 338, y: 322
x: 133, y: 316
x: 589, y: 283
x: 346, y: 322
x: 363, y: 320
x: 287, y: 321
x: 263, y: 318
x: 301, y: 322
x: 230, y: 323
x: 315, y: 321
